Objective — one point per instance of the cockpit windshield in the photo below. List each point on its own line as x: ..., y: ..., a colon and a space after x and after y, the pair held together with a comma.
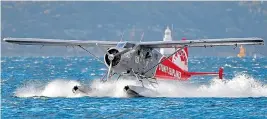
x: 125, y: 45
x: 120, y: 45
x: 129, y: 45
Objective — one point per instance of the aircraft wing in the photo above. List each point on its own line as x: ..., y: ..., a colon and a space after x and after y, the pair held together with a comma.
x: 59, y: 42
x: 204, y: 42
x: 150, y: 44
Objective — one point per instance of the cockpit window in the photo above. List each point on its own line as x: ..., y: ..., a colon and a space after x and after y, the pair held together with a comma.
x: 125, y: 45
x: 120, y: 45
x: 129, y: 45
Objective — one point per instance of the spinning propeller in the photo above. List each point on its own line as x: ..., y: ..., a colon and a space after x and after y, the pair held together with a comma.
x: 114, y: 56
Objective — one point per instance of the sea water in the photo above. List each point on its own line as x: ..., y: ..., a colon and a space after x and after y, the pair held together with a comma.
x: 40, y: 87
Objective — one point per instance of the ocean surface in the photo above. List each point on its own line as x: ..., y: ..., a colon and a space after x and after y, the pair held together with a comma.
x: 40, y: 87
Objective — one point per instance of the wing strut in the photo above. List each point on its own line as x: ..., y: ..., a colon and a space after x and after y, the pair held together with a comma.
x: 165, y: 59
x: 91, y: 54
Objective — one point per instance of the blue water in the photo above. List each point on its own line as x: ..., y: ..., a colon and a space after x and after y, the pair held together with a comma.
x: 40, y: 87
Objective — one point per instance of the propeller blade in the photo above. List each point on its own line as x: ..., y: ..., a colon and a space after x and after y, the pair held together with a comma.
x: 106, y: 51
x: 109, y: 69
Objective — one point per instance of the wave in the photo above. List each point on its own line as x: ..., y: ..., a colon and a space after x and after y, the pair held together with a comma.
x: 55, y: 88
x: 241, y: 85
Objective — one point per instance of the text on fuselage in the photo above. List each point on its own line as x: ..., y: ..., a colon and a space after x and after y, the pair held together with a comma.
x: 169, y: 71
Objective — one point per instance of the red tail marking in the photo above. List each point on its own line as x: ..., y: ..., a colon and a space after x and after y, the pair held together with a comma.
x: 169, y: 70
x: 186, y: 49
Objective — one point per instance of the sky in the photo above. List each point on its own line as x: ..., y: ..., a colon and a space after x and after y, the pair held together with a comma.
x: 108, y: 20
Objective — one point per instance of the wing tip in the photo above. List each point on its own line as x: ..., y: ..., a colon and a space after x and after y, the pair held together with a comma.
x: 6, y: 39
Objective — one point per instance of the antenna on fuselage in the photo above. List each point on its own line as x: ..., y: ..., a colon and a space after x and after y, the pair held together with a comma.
x: 142, y: 36
x: 122, y: 34
x: 172, y: 32
x: 132, y: 34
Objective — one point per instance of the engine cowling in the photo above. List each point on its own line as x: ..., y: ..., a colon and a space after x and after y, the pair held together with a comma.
x: 115, y: 59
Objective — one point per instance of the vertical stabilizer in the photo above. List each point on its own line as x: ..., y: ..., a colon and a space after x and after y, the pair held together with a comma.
x: 186, y: 53
x: 181, y: 58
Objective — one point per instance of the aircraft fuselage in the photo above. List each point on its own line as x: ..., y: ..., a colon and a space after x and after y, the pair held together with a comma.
x: 146, y: 62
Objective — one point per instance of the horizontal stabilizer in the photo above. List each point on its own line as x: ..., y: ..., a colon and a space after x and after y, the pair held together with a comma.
x: 220, y: 73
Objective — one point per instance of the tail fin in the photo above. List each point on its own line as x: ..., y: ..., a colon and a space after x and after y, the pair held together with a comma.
x: 181, y: 58
x: 186, y: 52
x: 220, y: 73
x: 186, y: 59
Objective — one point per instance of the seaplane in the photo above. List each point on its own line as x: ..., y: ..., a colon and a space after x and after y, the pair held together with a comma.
x: 145, y: 61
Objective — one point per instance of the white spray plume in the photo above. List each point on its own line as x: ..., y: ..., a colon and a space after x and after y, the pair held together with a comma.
x: 240, y: 86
